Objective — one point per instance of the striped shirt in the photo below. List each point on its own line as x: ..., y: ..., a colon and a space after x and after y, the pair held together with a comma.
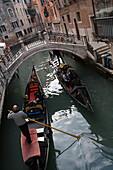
x: 18, y: 117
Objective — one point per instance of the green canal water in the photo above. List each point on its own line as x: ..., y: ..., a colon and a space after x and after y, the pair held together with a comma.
x: 66, y: 152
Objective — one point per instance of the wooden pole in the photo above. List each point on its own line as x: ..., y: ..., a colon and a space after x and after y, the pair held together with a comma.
x: 78, y: 137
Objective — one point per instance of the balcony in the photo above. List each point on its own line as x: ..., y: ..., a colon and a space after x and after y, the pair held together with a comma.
x: 104, y: 27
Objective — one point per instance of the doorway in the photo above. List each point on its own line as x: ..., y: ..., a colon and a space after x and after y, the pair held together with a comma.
x: 77, y: 30
x: 66, y: 29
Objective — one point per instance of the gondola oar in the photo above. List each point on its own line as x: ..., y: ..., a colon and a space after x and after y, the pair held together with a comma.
x: 78, y: 137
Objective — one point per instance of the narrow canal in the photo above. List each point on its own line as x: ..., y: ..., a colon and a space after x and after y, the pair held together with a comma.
x: 66, y: 153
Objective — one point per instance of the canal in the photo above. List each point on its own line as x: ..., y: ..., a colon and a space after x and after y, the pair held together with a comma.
x: 66, y: 152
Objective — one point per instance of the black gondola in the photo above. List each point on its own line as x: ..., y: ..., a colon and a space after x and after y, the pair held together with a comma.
x: 35, y: 107
x: 74, y: 86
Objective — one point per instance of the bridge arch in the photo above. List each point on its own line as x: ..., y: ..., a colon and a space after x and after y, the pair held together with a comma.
x: 28, y: 51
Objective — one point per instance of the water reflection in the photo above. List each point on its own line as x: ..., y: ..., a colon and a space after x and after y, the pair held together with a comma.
x: 87, y: 154
x: 66, y: 152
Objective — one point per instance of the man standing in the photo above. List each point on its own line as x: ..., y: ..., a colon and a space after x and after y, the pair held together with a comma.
x: 19, y: 118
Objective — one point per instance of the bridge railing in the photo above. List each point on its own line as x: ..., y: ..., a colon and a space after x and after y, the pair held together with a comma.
x: 34, y: 44
x: 61, y: 37
x: 8, y: 60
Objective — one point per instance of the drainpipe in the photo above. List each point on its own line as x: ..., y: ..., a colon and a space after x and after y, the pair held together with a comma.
x: 95, y: 24
x: 112, y: 51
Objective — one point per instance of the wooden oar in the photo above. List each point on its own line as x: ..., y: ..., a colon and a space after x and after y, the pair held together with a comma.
x: 78, y: 137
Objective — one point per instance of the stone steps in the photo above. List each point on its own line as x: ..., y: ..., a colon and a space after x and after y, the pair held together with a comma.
x: 101, y: 49
x: 104, y: 52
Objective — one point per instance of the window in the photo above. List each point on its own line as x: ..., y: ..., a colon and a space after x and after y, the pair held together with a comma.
x: 17, y: 11
x: 25, y: 32
x: 78, y: 16
x: 10, y: 12
x: 29, y: 21
x: 58, y: 4
x: 68, y: 18
x: 32, y: 20
x: 21, y: 11
x: 15, y: 24
x: 63, y: 19
x: 22, y: 23
x: 39, y: 17
x: 19, y: 34
x: 26, y: 11
x: 55, y: 11
x: 28, y: 29
x: 2, y: 28
x: 6, y: 37
x: 42, y: 2
x: 51, y: 12
x: 18, y: 1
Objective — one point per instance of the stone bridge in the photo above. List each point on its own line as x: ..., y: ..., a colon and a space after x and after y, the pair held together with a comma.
x: 78, y: 49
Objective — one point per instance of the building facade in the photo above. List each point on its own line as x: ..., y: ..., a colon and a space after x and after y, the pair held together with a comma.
x: 24, y: 20
x: 77, y: 17
x: 8, y: 21
x: 54, y: 16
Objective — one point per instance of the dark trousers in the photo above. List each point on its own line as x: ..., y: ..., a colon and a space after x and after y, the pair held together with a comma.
x: 24, y: 129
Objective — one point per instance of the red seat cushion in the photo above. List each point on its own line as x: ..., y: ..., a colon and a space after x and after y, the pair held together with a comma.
x: 31, y: 87
x: 32, y: 96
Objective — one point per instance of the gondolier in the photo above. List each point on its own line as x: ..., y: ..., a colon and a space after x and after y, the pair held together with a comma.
x: 19, y: 118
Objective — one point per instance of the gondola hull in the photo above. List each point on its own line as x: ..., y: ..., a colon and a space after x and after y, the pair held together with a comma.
x: 36, y: 110
x: 76, y: 89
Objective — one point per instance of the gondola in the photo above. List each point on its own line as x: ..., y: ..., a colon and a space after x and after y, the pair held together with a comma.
x: 35, y: 155
x: 75, y: 87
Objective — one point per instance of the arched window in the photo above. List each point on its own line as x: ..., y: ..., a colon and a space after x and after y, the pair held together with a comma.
x: 10, y: 12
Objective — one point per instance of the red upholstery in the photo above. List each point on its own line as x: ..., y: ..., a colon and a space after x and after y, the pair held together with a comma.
x: 32, y: 96
x: 35, y: 89
x: 32, y: 90
x: 31, y: 87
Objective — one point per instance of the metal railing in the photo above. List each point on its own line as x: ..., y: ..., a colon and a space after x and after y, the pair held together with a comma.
x: 63, y: 38
x: 53, y: 37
